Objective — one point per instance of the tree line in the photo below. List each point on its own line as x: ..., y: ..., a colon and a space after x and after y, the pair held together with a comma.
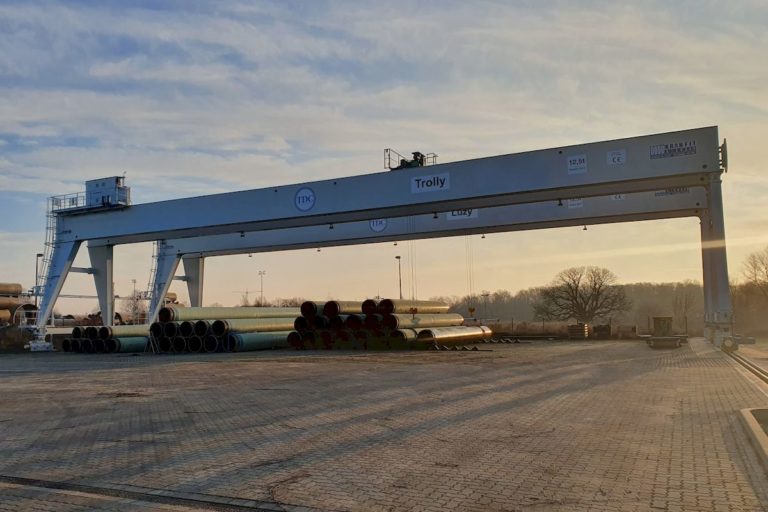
x: 592, y: 295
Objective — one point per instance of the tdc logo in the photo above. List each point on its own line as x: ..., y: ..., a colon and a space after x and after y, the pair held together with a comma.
x: 304, y: 199
x: 378, y: 225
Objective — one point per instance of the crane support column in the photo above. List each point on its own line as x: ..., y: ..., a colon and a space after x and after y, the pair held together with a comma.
x: 62, y: 257
x: 706, y: 267
x: 194, y: 269
x: 719, y: 318
x: 102, y: 262
x: 164, y: 272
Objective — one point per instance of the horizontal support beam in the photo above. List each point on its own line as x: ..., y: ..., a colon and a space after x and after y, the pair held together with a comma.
x: 595, y: 210
x: 653, y: 162
x: 180, y: 278
x: 80, y: 296
x: 82, y: 270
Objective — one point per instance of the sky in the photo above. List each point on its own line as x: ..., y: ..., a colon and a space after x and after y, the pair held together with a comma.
x: 197, y: 97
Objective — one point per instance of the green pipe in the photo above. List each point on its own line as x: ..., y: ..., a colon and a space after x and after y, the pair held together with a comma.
x: 87, y: 345
x: 179, y: 344
x: 202, y: 328
x: 157, y: 330
x: 110, y: 345
x: 325, y: 338
x: 211, y: 343
x: 401, y: 321
x: 344, y: 340
x: 310, y: 308
x: 403, y: 334
x: 223, y: 327
x: 98, y: 346
x: 131, y: 344
x: 195, y: 344
x: 173, y: 313
x: 354, y: 322
x: 336, y: 323
x: 301, y: 323
x: 319, y: 322
x: 391, y: 306
x: 453, y: 335
x: 123, y: 331
x: 310, y: 340
x: 247, y: 341
x: 294, y: 340
x: 334, y: 308
x: 369, y: 307
x: 171, y: 329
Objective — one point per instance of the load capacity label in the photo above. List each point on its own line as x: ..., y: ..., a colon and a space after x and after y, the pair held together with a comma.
x: 577, y: 164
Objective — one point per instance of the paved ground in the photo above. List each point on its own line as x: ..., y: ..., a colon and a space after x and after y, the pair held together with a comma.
x: 602, y: 426
x: 757, y: 353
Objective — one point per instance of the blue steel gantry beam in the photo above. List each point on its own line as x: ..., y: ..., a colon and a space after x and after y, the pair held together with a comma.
x: 665, y: 161
x: 674, y: 203
x: 596, y: 169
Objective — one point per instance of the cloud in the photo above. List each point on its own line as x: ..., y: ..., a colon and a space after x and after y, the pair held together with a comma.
x: 189, y: 99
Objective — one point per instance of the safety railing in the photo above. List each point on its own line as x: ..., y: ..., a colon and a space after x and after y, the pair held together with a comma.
x: 394, y: 160
x: 67, y: 201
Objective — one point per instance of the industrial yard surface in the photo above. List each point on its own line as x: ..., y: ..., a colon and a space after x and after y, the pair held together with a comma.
x: 603, y: 426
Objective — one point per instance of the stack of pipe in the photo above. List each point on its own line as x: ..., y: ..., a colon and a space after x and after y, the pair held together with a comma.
x: 389, y: 324
x: 107, y: 339
x: 351, y: 325
x: 239, y: 329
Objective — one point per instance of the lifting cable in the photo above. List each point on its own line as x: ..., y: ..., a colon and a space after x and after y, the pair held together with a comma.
x: 412, y: 259
x: 470, y: 267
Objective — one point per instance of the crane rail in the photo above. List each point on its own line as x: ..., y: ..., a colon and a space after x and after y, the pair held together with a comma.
x: 758, y: 371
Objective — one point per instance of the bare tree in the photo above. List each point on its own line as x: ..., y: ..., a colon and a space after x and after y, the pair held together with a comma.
x: 756, y: 271
x: 135, y: 308
x: 293, y: 302
x: 581, y: 293
x: 684, y: 302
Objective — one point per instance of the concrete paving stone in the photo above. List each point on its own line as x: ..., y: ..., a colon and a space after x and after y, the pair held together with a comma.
x: 546, y: 426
